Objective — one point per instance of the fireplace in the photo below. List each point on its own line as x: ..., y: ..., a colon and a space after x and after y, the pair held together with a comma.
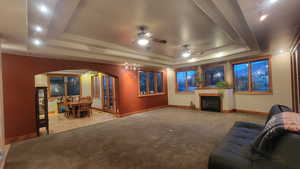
x: 211, y: 103
x: 220, y: 100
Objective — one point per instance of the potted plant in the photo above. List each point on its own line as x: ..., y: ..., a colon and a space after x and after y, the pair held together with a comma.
x: 222, y: 85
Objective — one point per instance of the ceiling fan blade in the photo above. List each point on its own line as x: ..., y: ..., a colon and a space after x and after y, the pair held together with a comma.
x: 159, y: 41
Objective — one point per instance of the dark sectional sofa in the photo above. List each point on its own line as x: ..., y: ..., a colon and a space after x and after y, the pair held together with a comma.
x: 235, y: 152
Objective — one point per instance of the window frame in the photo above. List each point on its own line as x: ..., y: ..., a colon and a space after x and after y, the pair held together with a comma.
x: 147, y: 83
x: 211, y: 67
x: 250, y: 83
x: 65, y: 84
x: 186, y: 81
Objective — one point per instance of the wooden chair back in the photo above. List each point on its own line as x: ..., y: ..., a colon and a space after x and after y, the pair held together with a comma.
x: 87, y: 98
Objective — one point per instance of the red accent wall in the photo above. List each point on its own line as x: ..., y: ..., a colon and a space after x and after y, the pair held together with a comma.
x: 19, y: 92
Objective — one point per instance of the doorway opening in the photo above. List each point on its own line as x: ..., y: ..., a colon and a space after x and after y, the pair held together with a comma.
x: 70, y: 99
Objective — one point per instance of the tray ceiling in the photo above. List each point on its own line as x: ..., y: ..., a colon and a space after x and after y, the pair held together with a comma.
x: 104, y: 30
x: 117, y: 21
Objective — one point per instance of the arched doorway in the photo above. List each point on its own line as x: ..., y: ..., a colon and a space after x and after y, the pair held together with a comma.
x: 74, y: 98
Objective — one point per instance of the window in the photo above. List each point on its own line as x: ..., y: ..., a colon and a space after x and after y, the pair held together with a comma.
x: 159, y: 82
x: 253, y: 76
x: 213, y: 75
x: 61, y: 85
x: 57, y: 86
x: 143, y: 83
x: 186, y: 81
x: 150, y: 83
x: 241, y: 80
x: 73, y: 86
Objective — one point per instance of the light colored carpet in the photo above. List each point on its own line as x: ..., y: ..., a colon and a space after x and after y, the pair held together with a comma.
x: 169, y: 138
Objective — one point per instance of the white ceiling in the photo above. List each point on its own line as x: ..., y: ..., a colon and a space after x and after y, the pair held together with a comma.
x: 104, y: 30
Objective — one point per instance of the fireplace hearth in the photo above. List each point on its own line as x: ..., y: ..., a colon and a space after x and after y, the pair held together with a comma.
x: 211, y: 103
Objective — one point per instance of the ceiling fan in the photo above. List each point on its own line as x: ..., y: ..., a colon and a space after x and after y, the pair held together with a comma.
x: 144, y: 37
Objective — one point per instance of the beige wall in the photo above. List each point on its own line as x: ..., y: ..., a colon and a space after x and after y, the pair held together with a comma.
x: 281, y: 78
x: 41, y: 80
x: 86, y: 85
x: 282, y: 94
x: 1, y: 105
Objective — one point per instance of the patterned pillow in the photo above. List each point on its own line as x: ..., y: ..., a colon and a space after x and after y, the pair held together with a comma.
x: 277, y: 126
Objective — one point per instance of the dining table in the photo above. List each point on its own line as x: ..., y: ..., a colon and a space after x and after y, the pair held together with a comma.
x: 74, y: 106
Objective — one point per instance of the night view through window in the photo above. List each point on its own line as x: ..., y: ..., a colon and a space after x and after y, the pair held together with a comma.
x: 73, y: 86
x: 151, y: 83
x: 186, y: 81
x: 214, y: 75
x: 259, y: 72
x: 260, y: 76
x: 143, y: 81
x: 241, y: 77
x: 57, y: 86
x: 159, y: 82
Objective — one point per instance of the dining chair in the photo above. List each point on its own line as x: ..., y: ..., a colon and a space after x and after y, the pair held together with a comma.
x: 85, y: 108
x: 69, y: 112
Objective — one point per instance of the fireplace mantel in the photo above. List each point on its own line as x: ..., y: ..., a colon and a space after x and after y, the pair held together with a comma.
x: 227, y: 97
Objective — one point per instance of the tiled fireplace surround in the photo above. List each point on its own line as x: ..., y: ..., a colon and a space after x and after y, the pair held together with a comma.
x: 227, y: 98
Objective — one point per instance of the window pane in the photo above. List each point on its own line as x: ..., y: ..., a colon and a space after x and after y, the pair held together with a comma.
x: 159, y: 82
x: 110, y: 91
x: 73, y: 86
x: 143, y: 83
x: 151, y: 83
x: 191, y: 80
x: 241, y: 77
x: 181, y: 76
x: 105, y: 88
x: 260, y: 76
x: 213, y: 75
x: 57, y: 86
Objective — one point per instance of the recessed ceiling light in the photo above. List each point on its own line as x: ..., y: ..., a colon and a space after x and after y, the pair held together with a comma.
x: 143, y: 42
x: 192, y: 60
x: 263, y: 17
x: 281, y: 51
x: 273, y: 1
x: 38, y: 28
x: 44, y: 9
x: 221, y: 54
x: 37, y: 42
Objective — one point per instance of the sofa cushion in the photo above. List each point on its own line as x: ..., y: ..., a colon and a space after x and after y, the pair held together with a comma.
x: 235, y: 150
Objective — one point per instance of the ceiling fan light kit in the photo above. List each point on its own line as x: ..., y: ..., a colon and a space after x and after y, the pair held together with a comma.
x: 186, y: 51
